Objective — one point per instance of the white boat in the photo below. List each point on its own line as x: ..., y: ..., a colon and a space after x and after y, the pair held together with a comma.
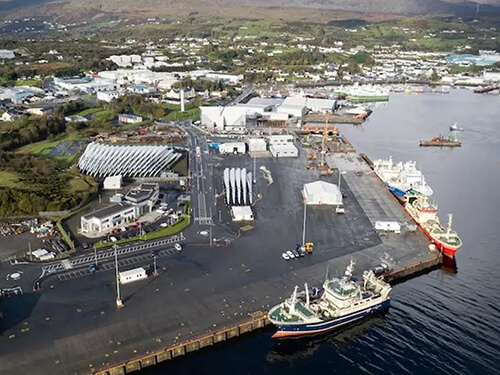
x: 401, y: 177
x: 456, y: 128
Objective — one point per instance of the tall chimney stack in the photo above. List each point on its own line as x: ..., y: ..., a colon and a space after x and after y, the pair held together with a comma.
x: 182, y: 100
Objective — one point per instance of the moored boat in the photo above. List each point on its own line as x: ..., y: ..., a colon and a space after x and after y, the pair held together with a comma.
x: 440, y: 141
x: 343, y: 301
x: 401, y: 177
x: 425, y: 215
x: 364, y: 94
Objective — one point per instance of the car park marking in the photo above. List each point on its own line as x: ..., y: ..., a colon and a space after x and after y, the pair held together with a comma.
x: 85, y: 260
x: 143, y: 258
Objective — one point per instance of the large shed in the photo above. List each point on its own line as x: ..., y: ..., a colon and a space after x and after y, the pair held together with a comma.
x: 242, y: 213
x: 322, y: 193
x: 256, y: 144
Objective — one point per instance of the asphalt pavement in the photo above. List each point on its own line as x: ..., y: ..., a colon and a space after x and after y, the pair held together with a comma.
x: 73, y: 325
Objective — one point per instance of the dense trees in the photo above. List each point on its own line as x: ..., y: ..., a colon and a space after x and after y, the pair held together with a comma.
x: 137, y: 105
x: 31, y: 129
x: 200, y: 84
x: 40, y: 187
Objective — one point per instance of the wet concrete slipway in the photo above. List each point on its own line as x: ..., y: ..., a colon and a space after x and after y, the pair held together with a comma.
x: 73, y: 325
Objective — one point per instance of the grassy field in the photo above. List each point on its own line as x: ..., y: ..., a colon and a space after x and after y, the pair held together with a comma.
x: 182, y: 223
x: 28, y: 82
x: 9, y: 179
x: 193, y: 113
x: 100, y: 114
x: 80, y: 184
x: 44, y: 148
x: 177, y: 107
x: 40, y: 148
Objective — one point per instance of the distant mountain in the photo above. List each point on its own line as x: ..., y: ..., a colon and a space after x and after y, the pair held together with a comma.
x: 77, y: 10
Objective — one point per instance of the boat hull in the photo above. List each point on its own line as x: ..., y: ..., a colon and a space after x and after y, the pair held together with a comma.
x: 398, y: 193
x: 440, y: 144
x: 297, y: 330
x: 447, y: 250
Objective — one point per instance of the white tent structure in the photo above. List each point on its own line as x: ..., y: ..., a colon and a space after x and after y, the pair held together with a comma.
x: 100, y: 160
x: 322, y: 193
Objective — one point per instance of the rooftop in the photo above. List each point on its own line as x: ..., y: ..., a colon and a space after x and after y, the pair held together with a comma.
x: 106, y: 211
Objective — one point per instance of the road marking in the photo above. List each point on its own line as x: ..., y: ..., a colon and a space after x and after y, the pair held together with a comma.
x: 85, y: 260
x: 121, y: 263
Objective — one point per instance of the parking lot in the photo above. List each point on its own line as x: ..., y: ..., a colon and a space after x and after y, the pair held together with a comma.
x: 84, y: 261
x: 122, y: 264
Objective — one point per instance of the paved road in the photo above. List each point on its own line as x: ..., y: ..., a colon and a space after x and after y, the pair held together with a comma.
x: 203, y: 193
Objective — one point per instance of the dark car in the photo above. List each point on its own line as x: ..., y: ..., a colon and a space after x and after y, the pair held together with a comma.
x: 92, y: 268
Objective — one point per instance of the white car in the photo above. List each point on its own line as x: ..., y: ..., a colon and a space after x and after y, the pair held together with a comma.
x: 178, y: 247
x: 290, y: 254
x: 164, y: 225
x: 285, y: 256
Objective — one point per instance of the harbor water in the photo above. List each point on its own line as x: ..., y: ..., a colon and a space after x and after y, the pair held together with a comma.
x: 443, y: 322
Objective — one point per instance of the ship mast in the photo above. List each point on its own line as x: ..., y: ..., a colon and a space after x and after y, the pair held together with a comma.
x: 307, y: 294
x: 450, y: 218
x: 294, y: 299
x: 304, y: 225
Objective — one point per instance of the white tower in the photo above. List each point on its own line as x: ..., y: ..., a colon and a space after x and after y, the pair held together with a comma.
x: 182, y: 100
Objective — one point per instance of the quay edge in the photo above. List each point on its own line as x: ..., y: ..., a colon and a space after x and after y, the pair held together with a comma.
x: 256, y: 323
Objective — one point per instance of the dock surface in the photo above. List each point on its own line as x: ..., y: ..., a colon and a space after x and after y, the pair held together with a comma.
x: 73, y: 325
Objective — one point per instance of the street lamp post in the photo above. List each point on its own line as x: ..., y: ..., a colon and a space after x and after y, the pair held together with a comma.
x: 119, y: 302
x: 155, y: 270
x: 95, y: 255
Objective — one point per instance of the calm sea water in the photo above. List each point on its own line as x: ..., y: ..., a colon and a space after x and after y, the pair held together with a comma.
x: 441, y: 322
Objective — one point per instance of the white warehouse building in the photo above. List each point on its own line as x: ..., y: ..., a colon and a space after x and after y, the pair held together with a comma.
x: 221, y: 118
x: 282, y: 146
x: 232, y: 148
x: 322, y: 193
x: 256, y: 144
x: 100, y: 160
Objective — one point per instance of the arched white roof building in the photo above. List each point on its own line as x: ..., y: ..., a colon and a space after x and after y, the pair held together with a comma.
x: 321, y: 192
x: 101, y: 160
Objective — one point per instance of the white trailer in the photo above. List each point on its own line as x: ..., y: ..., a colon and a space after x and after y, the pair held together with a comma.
x: 388, y: 226
x: 132, y: 275
x: 232, y: 148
